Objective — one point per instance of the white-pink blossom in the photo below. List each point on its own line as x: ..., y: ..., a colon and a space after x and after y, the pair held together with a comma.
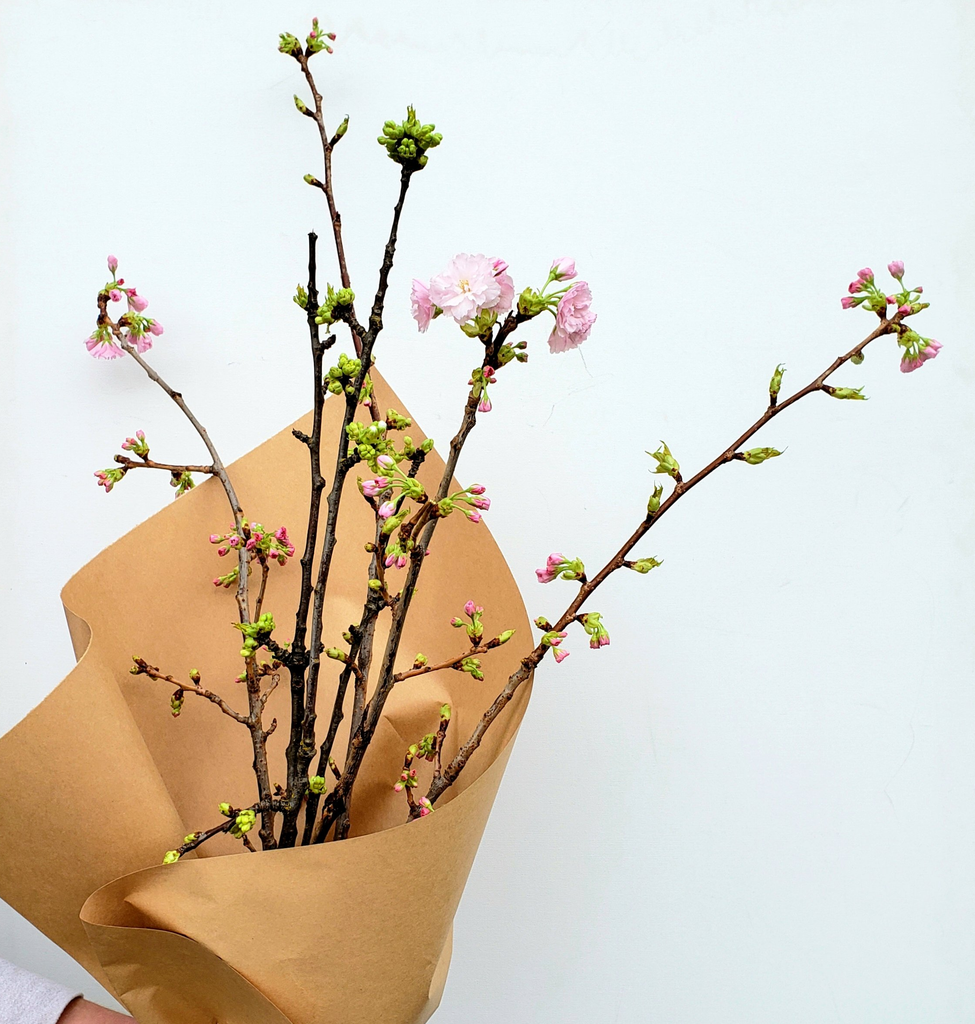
x: 573, y: 319
x: 469, y: 285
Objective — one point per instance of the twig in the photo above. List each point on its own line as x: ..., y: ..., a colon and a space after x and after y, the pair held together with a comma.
x: 618, y: 561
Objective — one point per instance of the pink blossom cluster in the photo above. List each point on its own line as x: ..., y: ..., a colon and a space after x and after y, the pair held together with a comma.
x: 863, y: 290
x: 136, y: 444
x: 108, y: 478
x: 136, y: 330
x: 557, y: 565
x: 274, y: 546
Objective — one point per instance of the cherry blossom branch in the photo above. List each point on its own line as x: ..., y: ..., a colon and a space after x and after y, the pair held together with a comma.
x: 361, y: 738
x: 127, y: 463
x: 258, y: 734
x: 142, y: 668
x: 450, y: 774
x: 453, y: 663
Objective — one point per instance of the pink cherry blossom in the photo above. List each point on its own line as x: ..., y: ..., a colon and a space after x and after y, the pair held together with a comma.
x: 372, y: 488
x: 103, y: 349
x: 474, y: 517
x: 909, y: 365
x: 485, y: 403
x: 423, y: 308
x: 112, y: 264
x: 155, y: 327
x: 896, y: 268
x: 115, y: 295
x: 482, y: 503
x: 560, y: 656
x: 865, y: 275
x: 573, y: 319
x: 136, y: 301
x: 386, y: 509
x: 468, y: 286
x: 564, y: 268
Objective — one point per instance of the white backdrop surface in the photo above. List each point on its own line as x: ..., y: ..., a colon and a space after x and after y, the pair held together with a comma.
x: 758, y: 804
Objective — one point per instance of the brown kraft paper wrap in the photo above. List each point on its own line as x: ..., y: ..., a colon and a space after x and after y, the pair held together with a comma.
x: 100, y: 780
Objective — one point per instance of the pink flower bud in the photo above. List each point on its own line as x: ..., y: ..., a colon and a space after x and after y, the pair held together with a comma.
x: 485, y: 404
x: 484, y: 503
x: 469, y: 608
x: 215, y: 538
x: 474, y: 517
x: 905, y: 309
x: 896, y: 268
x: 155, y: 327
x: 386, y: 461
x: 560, y: 656
x: 386, y: 509
x: 919, y: 289
x: 909, y: 365
x: 251, y: 544
x: 112, y: 264
x: 931, y: 349
x: 564, y: 268
x: 222, y: 551
x: 848, y: 302
x: 136, y: 301
x: 477, y: 488
x: 234, y: 541
x: 865, y: 275
x: 398, y: 788
x: 854, y: 286
x: 115, y: 295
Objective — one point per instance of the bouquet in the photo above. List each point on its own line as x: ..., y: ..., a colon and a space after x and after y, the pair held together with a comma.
x: 358, y: 711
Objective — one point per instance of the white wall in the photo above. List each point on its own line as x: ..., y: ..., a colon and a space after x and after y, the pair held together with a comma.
x: 757, y: 804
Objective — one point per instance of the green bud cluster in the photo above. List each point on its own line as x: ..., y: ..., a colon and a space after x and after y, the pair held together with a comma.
x: 473, y: 667
x: 171, y: 857
x: 503, y: 638
x: 666, y: 463
x: 243, y: 823
x: 444, y: 712
x: 334, y: 300
x: 301, y: 297
x: 531, y: 302
x: 226, y: 810
x: 317, y: 784
x: 481, y: 326
x: 397, y: 421
x: 343, y: 377
x: 336, y: 654
x: 426, y: 748
x: 256, y: 634
x: 420, y: 660
x: 508, y: 352
x: 289, y: 44
x: 176, y: 703
x: 183, y: 482
x: 407, y: 143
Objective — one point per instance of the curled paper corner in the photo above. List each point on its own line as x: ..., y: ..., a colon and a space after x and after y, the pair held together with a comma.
x: 100, y: 780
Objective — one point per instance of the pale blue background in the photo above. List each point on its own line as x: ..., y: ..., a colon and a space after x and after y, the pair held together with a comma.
x: 756, y: 806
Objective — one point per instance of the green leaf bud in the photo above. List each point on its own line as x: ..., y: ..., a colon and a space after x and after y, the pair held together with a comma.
x: 756, y: 456
x: 171, y: 857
